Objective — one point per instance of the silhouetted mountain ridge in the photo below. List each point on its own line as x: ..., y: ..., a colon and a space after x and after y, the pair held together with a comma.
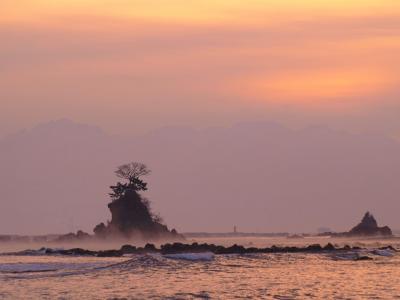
x: 261, y: 176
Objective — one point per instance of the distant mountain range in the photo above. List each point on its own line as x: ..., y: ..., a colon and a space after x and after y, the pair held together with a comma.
x: 262, y: 177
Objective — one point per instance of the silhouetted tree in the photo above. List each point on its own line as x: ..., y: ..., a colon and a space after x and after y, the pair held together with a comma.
x: 132, y: 173
x: 117, y: 190
x: 132, y: 170
x: 130, y: 212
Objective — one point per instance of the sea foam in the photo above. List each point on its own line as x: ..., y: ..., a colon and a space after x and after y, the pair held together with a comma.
x: 203, y: 256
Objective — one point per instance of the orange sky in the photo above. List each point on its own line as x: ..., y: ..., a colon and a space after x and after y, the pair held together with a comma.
x: 200, y: 62
x: 194, y: 11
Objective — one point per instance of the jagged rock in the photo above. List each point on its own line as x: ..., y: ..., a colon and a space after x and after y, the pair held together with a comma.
x: 369, y: 227
x: 329, y: 247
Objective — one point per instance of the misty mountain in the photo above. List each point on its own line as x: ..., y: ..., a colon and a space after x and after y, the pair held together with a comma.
x: 258, y: 176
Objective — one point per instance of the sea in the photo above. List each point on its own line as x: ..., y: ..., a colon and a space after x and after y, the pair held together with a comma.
x: 325, y: 275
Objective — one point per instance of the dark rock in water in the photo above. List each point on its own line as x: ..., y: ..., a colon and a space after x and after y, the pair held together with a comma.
x: 177, y: 248
x: 390, y: 247
x: 128, y: 249
x: 369, y: 227
x: 150, y: 248
x: 236, y: 249
x: 364, y: 258
x: 290, y: 249
x: 110, y: 253
x: 274, y: 249
x: 314, y: 247
x: 329, y: 247
x: 46, y: 250
x: 75, y: 251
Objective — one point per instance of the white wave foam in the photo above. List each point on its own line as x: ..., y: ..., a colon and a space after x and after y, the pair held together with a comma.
x: 46, y: 267
x: 29, y: 267
x: 383, y: 252
x: 346, y: 256
x: 203, y: 256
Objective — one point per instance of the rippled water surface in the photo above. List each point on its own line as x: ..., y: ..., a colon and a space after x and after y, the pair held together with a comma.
x: 261, y: 276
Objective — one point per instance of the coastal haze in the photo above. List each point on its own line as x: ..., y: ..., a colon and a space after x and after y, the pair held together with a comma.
x: 199, y: 149
x: 259, y: 176
x: 267, y: 115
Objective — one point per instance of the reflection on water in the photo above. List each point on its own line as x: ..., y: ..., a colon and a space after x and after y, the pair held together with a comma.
x: 269, y: 276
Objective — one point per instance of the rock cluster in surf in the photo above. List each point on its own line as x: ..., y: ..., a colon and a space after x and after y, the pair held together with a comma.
x: 177, y: 248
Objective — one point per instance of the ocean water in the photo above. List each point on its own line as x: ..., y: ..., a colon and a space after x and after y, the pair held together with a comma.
x: 206, y: 276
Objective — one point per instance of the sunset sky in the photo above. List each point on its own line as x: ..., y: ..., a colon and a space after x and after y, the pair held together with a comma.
x: 132, y: 66
x: 327, y: 72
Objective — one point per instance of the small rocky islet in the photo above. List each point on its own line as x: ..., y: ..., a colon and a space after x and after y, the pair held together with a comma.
x: 368, y: 227
x: 131, y: 213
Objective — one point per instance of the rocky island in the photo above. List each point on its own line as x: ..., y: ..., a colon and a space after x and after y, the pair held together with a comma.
x: 131, y: 215
x: 368, y: 227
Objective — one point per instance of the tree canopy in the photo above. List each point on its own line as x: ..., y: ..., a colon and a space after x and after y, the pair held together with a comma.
x: 132, y: 173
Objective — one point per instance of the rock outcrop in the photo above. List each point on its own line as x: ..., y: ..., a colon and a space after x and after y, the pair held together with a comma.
x: 356, y: 253
x: 131, y: 215
x: 369, y: 227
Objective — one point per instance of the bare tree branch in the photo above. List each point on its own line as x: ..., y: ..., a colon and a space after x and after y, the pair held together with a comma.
x: 132, y: 171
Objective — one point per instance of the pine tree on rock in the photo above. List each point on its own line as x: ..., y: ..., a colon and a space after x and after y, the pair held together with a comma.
x: 130, y: 212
